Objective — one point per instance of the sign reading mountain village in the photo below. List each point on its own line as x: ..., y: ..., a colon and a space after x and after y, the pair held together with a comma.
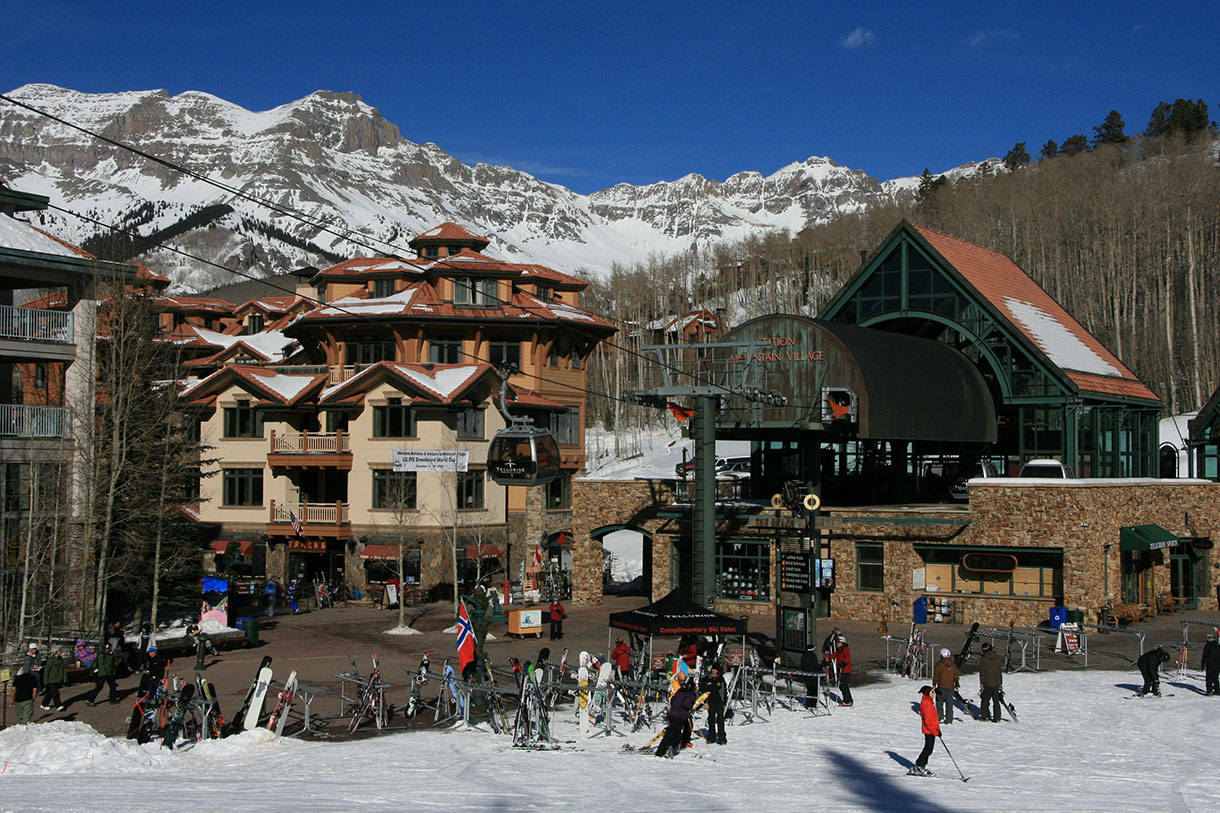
x: 431, y: 460
x: 778, y: 354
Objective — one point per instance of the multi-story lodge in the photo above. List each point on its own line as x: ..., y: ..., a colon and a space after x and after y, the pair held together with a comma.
x: 307, y: 402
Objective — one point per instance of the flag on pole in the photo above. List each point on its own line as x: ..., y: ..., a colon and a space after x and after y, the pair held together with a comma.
x: 297, y: 528
x: 465, y: 639
x: 538, y: 559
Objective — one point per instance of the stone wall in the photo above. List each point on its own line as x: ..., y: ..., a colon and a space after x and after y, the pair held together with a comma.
x: 1081, y: 518
x: 636, y: 503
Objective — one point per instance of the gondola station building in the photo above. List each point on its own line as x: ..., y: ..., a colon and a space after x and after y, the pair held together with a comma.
x: 902, y: 416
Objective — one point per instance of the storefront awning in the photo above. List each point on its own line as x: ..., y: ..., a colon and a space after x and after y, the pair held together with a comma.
x: 483, y: 552
x: 1145, y: 537
x: 382, y: 552
x: 221, y: 545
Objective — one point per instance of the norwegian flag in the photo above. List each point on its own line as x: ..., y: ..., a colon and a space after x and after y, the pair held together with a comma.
x: 465, y: 639
x: 297, y: 528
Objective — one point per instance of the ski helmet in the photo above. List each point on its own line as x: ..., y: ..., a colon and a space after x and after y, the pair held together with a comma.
x: 944, y: 653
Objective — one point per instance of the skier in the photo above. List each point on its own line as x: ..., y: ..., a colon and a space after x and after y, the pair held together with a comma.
x: 203, y: 645
x: 678, y: 716
x: 812, y: 666
x: 557, y: 613
x: 829, y: 643
x: 1150, y: 666
x: 991, y: 683
x: 271, y: 589
x: 621, y: 655
x: 55, y: 674
x: 930, y: 725
x: 1211, y: 665
x: 842, y: 656
x: 947, y: 679
x: 103, y: 670
x: 713, y: 684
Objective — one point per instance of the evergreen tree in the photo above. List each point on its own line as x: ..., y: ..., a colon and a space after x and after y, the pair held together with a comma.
x: 1018, y: 156
x: 1110, y: 131
x: 928, y: 184
x: 1074, y: 145
x: 1183, y: 117
x: 1049, y: 150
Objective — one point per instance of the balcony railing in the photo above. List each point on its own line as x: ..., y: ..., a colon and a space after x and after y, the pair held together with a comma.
x: 35, y: 324
x: 308, y: 443
x: 310, y: 513
x: 35, y: 421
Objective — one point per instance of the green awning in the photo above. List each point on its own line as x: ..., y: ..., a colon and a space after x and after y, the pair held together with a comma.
x: 1145, y: 537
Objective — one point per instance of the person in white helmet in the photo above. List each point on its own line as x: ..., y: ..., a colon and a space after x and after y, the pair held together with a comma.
x: 946, y: 679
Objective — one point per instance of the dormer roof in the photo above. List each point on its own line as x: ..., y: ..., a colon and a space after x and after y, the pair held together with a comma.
x: 449, y: 234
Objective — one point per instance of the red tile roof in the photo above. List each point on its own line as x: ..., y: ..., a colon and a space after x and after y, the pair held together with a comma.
x: 1002, y: 283
x: 448, y: 232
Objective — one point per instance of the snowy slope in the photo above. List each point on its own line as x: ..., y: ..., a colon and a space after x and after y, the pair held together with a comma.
x: 335, y: 158
x: 1079, y: 746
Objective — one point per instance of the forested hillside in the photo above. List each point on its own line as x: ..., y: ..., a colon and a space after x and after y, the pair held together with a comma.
x: 1123, y: 231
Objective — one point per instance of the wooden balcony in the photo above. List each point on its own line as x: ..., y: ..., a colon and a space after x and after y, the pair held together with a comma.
x: 329, y: 520
x: 310, y: 450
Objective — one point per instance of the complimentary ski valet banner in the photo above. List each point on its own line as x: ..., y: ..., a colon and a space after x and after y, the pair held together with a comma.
x: 431, y: 460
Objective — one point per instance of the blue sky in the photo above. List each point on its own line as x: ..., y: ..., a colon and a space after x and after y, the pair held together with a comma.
x: 588, y: 95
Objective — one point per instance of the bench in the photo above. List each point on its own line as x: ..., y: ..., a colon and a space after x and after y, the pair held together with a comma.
x: 1126, y: 614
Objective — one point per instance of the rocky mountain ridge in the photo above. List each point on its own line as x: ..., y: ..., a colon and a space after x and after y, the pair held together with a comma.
x: 336, y: 160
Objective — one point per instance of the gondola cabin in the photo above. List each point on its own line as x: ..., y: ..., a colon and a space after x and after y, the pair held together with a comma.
x: 523, y: 456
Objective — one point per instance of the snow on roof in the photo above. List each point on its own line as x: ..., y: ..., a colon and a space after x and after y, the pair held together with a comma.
x: 289, y: 386
x: 22, y: 236
x: 444, y: 382
x: 359, y: 305
x: 271, y: 343
x: 1059, y: 343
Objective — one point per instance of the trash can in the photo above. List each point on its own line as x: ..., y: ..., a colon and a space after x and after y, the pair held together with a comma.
x: 921, y: 610
x: 250, y: 627
x: 1058, y: 616
x: 1075, y: 616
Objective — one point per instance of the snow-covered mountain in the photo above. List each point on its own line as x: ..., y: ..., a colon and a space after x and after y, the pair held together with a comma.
x: 334, y: 158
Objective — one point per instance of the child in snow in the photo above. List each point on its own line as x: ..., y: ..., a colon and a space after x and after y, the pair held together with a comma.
x: 842, y: 656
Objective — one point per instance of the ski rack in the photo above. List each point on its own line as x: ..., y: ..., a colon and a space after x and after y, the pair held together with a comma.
x: 1105, y: 629
x: 358, y: 702
x: 896, y: 650
x: 1023, y: 641
x: 1186, y: 624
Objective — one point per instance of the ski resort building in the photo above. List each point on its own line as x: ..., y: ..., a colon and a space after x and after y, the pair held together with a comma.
x: 888, y: 436
x: 337, y: 416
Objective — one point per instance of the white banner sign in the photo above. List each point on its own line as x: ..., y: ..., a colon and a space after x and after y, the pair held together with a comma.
x: 431, y: 460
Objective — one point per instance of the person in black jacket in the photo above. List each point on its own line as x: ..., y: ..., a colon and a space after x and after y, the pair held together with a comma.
x: 812, y: 666
x: 1211, y: 665
x: 713, y: 684
x: 1150, y: 667
x: 678, y: 716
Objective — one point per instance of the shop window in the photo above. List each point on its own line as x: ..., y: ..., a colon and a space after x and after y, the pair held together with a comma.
x: 870, y: 566
x: 744, y: 570
x: 243, y: 421
x: 243, y: 487
x: 470, y: 424
x: 470, y: 489
x: 394, y: 490
x: 380, y: 571
x: 394, y: 420
x: 559, y: 493
x: 981, y: 571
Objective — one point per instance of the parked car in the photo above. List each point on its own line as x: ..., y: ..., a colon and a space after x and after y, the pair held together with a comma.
x: 733, y: 470
x: 687, y: 469
x: 1047, y: 468
x: 983, y: 469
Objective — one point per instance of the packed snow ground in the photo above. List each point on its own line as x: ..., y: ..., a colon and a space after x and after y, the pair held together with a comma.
x: 1081, y: 744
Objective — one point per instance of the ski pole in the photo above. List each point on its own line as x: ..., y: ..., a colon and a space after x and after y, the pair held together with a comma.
x: 954, y: 761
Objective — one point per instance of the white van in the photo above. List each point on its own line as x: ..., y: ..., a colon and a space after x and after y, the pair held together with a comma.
x: 1047, y: 468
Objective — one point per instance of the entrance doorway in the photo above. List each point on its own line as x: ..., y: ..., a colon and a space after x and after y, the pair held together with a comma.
x: 1184, y: 579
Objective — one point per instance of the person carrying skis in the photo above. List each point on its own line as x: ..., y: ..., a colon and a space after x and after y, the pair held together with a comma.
x: 1150, y: 666
x: 713, y: 684
x: 947, y: 679
x: 621, y: 655
x: 842, y: 656
x: 557, y: 614
x: 930, y: 725
x: 1211, y: 665
x: 54, y: 675
x: 678, y: 717
x: 991, y: 683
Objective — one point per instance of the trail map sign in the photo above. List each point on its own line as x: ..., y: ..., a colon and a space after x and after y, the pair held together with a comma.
x: 431, y: 460
x: 794, y: 573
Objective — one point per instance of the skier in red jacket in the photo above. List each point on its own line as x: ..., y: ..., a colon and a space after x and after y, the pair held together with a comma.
x: 557, y: 613
x: 931, y: 730
x: 843, y: 656
x: 622, y: 658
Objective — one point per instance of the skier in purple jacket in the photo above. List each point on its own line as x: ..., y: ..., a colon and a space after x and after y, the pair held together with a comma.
x: 678, y: 718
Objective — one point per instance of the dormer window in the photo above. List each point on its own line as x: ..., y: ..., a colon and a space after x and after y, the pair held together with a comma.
x: 451, y: 250
x: 473, y: 291
x: 432, y: 251
x: 383, y: 288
